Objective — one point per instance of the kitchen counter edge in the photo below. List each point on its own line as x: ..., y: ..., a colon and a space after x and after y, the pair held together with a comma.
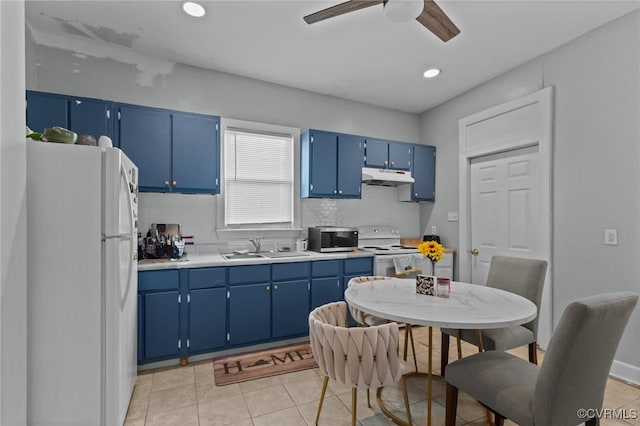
x: 208, y: 260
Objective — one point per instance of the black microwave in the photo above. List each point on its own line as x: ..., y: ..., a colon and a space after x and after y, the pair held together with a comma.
x: 328, y: 239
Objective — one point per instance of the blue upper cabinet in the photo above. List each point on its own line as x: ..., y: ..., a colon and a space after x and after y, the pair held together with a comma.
x: 330, y: 165
x: 350, y: 162
x: 387, y: 155
x: 82, y: 115
x: 424, y: 173
x: 195, y: 153
x: 174, y: 151
x: 144, y: 134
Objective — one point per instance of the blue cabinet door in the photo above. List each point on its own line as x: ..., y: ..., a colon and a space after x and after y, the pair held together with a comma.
x: 46, y: 110
x: 326, y: 290
x: 323, y: 159
x: 399, y: 156
x: 350, y: 161
x: 144, y: 134
x: 88, y: 117
x: 249, y: 313
x: 161, y: 325
x: 207, y: 319
x: 195, y: 153
x: 140, y: 329
x: 290, y: 308
x: 424, y: 173
x: 377, y: 153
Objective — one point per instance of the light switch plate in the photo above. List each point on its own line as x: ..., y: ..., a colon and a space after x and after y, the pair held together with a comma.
x: 452, y: 216
x: 611, y: 237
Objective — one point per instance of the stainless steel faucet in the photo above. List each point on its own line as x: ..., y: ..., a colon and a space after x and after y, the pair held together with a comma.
x: 257, y: 241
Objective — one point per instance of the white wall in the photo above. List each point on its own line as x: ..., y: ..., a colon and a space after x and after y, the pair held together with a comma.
x: 198, y: 90
x: 596, y: 154
x: 13, y: 252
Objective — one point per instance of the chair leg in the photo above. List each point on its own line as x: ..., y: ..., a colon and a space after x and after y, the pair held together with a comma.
x: 444, y: 352
x: 324, y: 390
x: 406, y: 399
x: 458, y: 341
x: 368, y: 398
x: 413, y: 347
x: 354, y: 403
x: 533, y: 353
x: 406, y: 342
x: 451, y: 405
x: 499, y: 420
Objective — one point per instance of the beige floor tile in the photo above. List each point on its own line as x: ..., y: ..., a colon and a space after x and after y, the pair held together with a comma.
x: 139, y: 407
x: 268, y: 400
x: 185, y: 416
x: 419, y: 414
x: 204, y: 373
x: 172, y: 398
x: 208, y: 391
x: 265, y: 382
x: 363, y: 411
x: 632, y: 412
x: 135, y: 422
x: 288, y: 417
x: 338, y: 388
x: 247, y: 422
x: 468, y: 408
x: 306, y: 390
x: 334, y: 413
x: 144, y: 379
x: 178, y: 376
x: 223, y: 411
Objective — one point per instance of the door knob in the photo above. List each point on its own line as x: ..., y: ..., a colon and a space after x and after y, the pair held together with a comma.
x: 474, y: 252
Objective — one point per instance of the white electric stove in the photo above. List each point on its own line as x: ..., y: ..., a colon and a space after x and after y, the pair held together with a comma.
x: 384, y: 242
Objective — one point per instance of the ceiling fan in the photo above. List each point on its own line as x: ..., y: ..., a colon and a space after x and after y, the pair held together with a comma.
x: 431, y: 16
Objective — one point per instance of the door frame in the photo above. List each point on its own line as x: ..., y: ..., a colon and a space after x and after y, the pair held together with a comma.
x: 530, y: 120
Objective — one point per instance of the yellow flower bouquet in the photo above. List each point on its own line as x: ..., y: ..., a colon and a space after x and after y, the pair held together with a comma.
x: 432, y: 250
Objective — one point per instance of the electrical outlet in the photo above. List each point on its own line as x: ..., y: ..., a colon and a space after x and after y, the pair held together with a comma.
x: 452, y: 216
x: 434, y: 230
x: 611, y: 237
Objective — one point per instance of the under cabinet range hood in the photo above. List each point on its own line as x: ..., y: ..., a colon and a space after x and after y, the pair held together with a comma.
x: 386, y: 177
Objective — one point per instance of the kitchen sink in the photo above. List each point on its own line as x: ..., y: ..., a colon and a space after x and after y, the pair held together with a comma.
x: 263, y: 254
x: 234, y: 256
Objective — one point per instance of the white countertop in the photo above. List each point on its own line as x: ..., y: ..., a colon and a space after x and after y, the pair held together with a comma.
x: 204, y: 260
x: 470, y: 306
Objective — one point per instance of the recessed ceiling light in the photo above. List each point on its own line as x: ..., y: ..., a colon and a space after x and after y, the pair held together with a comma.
x: 193, y: 9
x: 430, y: 73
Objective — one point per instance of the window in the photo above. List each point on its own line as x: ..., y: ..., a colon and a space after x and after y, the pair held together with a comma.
x: 258, y: 178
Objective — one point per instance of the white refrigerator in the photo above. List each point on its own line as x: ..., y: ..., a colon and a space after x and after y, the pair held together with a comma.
x: 82, y: 207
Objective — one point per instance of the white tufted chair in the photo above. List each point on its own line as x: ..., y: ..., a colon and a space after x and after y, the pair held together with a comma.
x: 359, y: 357
x: 368, y: 320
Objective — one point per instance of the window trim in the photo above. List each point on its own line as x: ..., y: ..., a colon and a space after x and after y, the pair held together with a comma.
x: 240, y: 231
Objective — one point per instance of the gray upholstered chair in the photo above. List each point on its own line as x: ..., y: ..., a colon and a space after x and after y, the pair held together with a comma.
x: 524, y: 277
x: 367, y: 320
x: 573, y: 375
x: 359, y: 357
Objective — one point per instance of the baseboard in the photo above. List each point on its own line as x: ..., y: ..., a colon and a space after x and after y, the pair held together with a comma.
x: 627, y: 372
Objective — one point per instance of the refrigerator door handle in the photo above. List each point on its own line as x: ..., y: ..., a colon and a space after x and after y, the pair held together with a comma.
x: 130, y: 236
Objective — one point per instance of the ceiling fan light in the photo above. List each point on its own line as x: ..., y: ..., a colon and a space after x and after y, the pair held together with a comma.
x: 403, y: 10
x: 193, y: 9
x: 432, y: 72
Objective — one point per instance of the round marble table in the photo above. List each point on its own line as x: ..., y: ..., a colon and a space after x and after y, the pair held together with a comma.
x: 470, y: 306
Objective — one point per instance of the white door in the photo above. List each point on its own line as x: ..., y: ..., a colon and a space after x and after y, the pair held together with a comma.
x: 505, y: 190
x: 505, y: 209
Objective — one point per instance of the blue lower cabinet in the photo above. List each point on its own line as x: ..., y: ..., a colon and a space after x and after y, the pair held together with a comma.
x: 290, y: 308
x: 249, y: 313
x: 161, y: 325
x: 207, y: 319
x: 326, y: 290
x: 139, y: 330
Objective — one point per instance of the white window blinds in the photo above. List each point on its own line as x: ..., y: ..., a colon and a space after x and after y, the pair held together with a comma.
x: 258, y: 178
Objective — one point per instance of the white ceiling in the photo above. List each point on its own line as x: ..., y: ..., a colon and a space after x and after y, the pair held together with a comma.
x: 359, y: 56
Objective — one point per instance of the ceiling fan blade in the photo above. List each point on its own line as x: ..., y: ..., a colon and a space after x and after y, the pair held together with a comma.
x: 436, y: 21
x: 340, y: 9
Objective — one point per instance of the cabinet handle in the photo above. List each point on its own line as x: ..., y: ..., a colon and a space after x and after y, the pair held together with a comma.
x: 275, y: 287
x: 386, y: 162
x: 268, y: 288
x: 175, y: 183
x: 393, y: 163
x: 340, y: 192
x: 166, y: 183
x: 415, y: 194
x: 335, y: 192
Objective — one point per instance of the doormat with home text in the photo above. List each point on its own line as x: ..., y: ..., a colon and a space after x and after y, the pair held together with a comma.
x: 270, y: 362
